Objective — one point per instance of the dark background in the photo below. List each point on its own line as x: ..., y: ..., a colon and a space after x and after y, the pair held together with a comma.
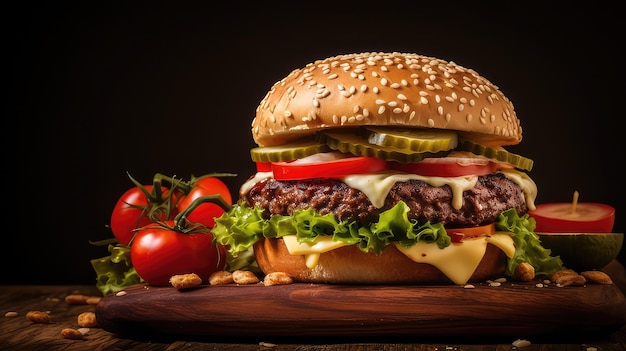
x: 101, y: 89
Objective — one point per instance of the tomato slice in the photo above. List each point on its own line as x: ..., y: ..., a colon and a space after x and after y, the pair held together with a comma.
x: 587, y: 217
x: 457, y: 234
x: 327, y: 169
x: 448, y: 166
x: 263, y: 166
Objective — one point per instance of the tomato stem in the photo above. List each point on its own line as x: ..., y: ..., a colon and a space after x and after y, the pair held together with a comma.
x: 181, y: 219
x: 185, y: 187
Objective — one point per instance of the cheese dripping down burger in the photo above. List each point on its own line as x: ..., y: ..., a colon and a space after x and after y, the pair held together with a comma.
x: 385, y: 168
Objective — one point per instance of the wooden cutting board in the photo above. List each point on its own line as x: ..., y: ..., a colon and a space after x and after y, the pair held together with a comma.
x: 512, y: 309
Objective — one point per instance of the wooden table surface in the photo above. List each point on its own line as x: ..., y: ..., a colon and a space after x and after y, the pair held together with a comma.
x: 19, y: 333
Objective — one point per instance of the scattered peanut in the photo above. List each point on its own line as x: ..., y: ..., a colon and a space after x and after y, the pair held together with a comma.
x: 597, y: 277
x: 70, y: 333
x: 76, y: 299
x: 93, y: 300
x: 277, y: 278
x: 38, y: 317
x: 525, y: 272
x: 87, y: 319
x: 221, y: 278
x: 244, y: 277
x: 520, y: 343
x: 185, y: 281
x: 10, y: 314
x: 566, y: 277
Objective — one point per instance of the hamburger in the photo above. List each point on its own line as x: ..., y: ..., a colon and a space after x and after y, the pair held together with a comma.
x: 386, y: 168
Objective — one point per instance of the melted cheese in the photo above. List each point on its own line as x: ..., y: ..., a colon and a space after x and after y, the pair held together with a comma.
x: 377, y: 186
x: 311, y: 250
x: 457, y: 261
x: 259, y: 177
x: 527, y: 185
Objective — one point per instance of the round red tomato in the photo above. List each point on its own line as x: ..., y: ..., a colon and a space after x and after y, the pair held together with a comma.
x: 327, y: 169
x: 134, y: 209
x: 447, y: 166
x: 205, y: 213
x: 159, y: 252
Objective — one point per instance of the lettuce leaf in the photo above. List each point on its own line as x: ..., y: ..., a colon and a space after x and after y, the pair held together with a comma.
x: 115, y: 272
x: 528, y: 245
x: 243, y: 226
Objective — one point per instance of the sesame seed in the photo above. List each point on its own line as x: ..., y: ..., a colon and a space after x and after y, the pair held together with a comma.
x: 401, y: 97
x: 383, y: 81
x: 363, y: 88
x: 397, y: 110
x: 316, y: 103
x: 380, y: 101
x: 423, y: 100
x: 333, y: 76
x: 381, y: 109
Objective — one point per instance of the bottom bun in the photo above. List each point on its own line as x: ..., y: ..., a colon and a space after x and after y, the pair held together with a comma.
x: 349, y: 265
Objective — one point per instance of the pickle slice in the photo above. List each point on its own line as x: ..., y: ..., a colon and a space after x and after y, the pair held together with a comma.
x: 416, y: 140
x: 354, y: 142
x: 501, y: 155
x: 294, y: 150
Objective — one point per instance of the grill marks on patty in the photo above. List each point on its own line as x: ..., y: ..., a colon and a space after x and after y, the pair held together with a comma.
x: 492, y: 194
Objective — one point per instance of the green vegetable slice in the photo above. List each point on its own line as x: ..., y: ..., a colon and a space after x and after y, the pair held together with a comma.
x: 295, y: 150
x: 501, y: 155
x: 417, y: 140
x: 356, y: 142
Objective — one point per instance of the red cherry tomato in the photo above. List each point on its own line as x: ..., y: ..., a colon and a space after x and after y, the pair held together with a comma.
x: 327, y: 169
x: 588, y: 217
x: 158, y: 252
x: 205, y: 213
x: 448, y: 166
x: 132, y: 211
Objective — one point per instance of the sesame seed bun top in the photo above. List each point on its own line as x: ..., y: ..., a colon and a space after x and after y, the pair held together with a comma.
x: 385, y: 89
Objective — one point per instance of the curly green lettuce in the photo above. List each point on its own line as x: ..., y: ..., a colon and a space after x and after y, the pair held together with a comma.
x: 115, y: 272
x: 242, y: 226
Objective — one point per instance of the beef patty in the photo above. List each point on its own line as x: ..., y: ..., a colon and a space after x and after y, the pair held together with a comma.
x: 492, y: 194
